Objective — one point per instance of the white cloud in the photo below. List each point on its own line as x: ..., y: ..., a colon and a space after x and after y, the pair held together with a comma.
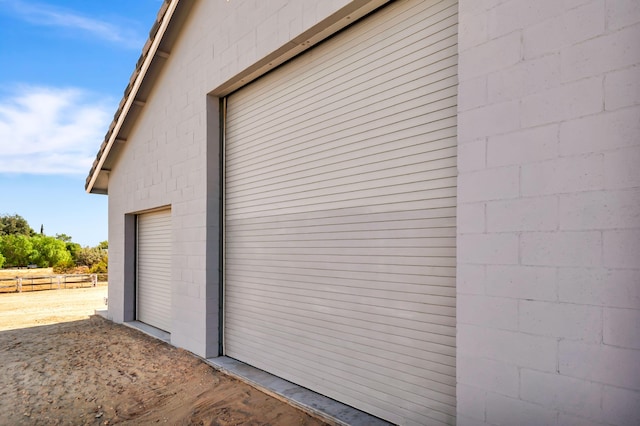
x: 51, y: 130
x: 47, y: 15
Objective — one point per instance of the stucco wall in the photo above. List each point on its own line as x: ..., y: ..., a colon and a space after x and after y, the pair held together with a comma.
x: 549, y: 212
x: 168, y: 160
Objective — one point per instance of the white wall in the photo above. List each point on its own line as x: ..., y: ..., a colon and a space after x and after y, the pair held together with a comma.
x: 549, y: 212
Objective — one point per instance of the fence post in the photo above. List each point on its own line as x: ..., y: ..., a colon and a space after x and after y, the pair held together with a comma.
x: 58, y: 282
x: 94, y: 280
x: 19, y: 279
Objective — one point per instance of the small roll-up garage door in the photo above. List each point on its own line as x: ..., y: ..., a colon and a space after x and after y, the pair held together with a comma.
x: 153, y: 269
x: 340, y: 195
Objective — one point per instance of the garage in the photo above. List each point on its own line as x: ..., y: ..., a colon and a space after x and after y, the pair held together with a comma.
x: 153, y: 267
x: 340, y: 213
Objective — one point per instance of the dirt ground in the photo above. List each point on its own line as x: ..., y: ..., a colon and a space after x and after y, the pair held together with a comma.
x: 59, y: 364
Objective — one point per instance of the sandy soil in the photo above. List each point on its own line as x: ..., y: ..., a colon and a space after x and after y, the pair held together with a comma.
x: 59, y: 365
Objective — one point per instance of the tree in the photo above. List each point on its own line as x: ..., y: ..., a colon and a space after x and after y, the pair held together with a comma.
x: 73, y: 249
x: 89, y: 256
x: 103, y: 245
x: 17, y: 249
x: 49, y: 251
x: 14, y: 225
x: 2, y: 260
x: 100, y: 267
x: 64, y: 237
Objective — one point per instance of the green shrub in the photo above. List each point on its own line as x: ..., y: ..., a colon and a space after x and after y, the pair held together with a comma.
x: 100, y: 267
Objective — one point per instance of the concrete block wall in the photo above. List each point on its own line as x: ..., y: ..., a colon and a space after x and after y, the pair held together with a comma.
x: 549, y: 212
x: 172, y: 154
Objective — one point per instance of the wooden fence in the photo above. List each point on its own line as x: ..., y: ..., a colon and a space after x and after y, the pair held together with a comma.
x: 50, y: 282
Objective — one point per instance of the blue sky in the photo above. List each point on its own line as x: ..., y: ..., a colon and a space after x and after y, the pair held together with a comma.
x: 63, y: 67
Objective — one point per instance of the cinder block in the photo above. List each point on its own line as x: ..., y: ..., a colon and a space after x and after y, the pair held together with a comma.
x: 497, y: 249
x: 509, y: 16
x: 490, y: 56
x: 576, y: 420
x: 524, y: 146
x: 621, y: 406
x: 193, y: 290
x: 493, y: 184
x: 470, y: 218
x: 564, y: 102
x: 522, y: 282
x: 489, y: 375
x: 472, y: 93
x: 470, y: 400
x: 622, y: 248
x: 622, y: 88
x: 600, y: 363
x: 472, y: 31
x: 488, y: 120
x: 600, y: 210
x: 470, y: 279
x: 621, y: 168
x: 524, y: 214
x: 472, y: 156
x: 463, y: 420
x: 504, y: 411
x: 563, y: 320
x: 561, y: 248
x: 524, y: 78
x: 596, y: 56
x: 563, y: 175
x: 565, y: 29
x: 621, y: 13
x: 562, y: 393
x: 597, y: 133
x: 622, y: 327
x: 510, y: 347
x: 486, y: 311
x: 601, y: 287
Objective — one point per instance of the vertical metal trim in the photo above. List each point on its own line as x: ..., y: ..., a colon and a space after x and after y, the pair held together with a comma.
x: 222, y: 235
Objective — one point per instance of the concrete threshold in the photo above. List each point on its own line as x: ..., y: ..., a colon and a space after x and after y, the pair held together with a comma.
x: 140, y: 326
x: 149, y: 330
x: 320, y: 406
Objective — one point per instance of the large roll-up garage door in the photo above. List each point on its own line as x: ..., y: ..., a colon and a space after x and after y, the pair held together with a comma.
x: 340, y: 195
x: 154, y: 269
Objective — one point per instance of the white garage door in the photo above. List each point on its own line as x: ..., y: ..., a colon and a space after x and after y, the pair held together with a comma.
x: 340, y: 195
x: 154, y: 269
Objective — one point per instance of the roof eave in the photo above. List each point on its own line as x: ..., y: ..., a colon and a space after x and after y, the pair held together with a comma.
x: 149, y: 52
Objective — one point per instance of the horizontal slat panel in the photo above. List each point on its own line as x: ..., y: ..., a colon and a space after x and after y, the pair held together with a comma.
x: 339, y: 61
x: 153, y: 269
x: 314, y: 345
x: 437, y: 125
x: 340, y: 216
x: 434, y: 315
x: 343, y: 328
x: 343, y: 201
x: 285, y: 359
x: 317, y: 339
x: 358, y: 152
